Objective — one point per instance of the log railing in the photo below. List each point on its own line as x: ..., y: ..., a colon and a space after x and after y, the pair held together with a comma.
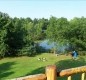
x: 52, y: 73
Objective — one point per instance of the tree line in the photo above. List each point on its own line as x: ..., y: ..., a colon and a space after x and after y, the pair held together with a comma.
x: 18, y: 36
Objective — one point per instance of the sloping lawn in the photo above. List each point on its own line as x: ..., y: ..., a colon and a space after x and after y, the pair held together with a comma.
x: 23, y: 66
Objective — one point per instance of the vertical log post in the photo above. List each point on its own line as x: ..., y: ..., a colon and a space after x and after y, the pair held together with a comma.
x: 51, y: 72
x: 69, y: 77
x: 83, y: 76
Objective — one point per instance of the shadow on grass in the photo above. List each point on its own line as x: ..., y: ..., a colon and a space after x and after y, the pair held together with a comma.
x: 5, y: 69
x: 37, y: 71
x: 70, y: 63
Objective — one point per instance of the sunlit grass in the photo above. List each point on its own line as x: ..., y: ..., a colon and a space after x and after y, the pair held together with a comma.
x: 22, y: 66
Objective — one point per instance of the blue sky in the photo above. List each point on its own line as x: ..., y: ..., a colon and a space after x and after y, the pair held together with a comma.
x: 44, y: 8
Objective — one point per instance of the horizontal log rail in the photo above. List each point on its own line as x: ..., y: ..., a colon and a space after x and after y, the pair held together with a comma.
x: 52, y: 73
x: 33, y: 77
x: 37, y: 77
x: 68, y: 72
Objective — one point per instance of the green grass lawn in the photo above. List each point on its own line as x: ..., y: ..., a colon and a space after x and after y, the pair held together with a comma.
x: 23, y: 66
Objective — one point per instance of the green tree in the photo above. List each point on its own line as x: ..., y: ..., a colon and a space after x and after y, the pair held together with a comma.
x: 76, y: 33
x: 4, y: 24
x: 56, y: 29
x: 14, y: 36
